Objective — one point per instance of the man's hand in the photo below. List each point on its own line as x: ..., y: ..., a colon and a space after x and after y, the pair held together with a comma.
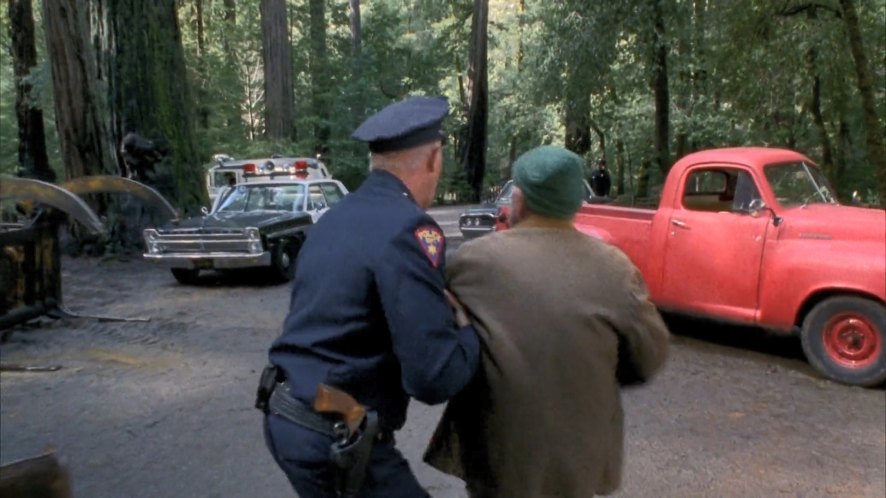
x: 461, y: 316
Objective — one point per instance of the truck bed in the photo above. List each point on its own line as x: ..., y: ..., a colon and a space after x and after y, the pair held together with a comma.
x: 627, y: 228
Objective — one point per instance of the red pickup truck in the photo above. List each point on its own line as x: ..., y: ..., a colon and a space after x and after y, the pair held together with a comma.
x: 756, y: 236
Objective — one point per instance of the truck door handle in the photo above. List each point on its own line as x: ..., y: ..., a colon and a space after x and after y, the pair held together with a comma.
x: 678, y: 223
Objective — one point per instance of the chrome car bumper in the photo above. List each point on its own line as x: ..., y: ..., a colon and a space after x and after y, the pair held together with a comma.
x: 475, y: 225
x: 212, y: 260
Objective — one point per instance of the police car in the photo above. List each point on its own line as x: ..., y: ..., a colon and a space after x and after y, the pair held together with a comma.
x: 260, y: 222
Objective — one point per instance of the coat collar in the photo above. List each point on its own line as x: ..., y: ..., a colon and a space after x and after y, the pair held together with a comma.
x: 385, y: 182
x: 534, y: 221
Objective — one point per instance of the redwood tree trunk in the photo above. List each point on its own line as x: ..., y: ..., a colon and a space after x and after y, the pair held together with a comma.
x: 79, y: 116
x: 357, y: 107
x: 475, y: 148
x: 577, y: 121
x: 827, y: 155
x: 873, y: 129
x: 279, y: 94
x: 32, y: 155
x: 319, y: 81
x: 150, y: 94
x: 660, y: 89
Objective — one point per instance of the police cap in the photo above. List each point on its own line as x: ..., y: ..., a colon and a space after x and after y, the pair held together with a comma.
x: 404, y: 124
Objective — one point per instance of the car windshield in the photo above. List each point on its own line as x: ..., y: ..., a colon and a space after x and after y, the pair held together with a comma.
x: 264, y: 198
x: 505, y: 195
x: 799, y: 184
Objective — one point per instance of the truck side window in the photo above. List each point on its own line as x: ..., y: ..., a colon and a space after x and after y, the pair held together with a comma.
x: 745, y: 192
x: 707, y: 190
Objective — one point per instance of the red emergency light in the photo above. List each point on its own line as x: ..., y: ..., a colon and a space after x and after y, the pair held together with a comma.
x: 249, y: 169
x: 301, y: 169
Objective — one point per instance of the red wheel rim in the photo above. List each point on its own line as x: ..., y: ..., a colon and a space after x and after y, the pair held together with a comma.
x: 852, y: 340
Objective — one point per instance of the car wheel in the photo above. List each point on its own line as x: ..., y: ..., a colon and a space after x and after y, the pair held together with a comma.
x: 185, y: 276
x: 283, y: 260
x: 843, y: 338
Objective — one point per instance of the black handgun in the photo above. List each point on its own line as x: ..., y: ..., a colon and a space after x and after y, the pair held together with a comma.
x: 266, y: 387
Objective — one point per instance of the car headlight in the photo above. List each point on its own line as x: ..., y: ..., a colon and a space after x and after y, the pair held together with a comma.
x: 254, y: 237
x: 151, y: 243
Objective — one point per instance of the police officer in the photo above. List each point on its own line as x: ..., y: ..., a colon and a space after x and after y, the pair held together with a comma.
x: 369, y: 314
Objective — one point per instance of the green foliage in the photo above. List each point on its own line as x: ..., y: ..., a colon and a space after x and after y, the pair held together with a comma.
x: 739, y: 74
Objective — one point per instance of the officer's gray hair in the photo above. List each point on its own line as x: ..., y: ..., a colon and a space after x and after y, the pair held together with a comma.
x: 402, y: 160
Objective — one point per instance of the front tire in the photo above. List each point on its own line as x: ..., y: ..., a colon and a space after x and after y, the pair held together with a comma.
x: 185, y: 276
x: 844, y: 338
x: 283, y: 260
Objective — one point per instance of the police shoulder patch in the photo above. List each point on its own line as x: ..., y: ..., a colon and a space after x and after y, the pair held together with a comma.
x: 431, y: 241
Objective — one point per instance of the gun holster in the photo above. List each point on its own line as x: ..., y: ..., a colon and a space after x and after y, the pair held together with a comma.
x: 269, y: 379
x: 350, y: 456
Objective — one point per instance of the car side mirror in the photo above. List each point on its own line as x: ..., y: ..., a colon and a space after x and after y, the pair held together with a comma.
x: 755, y: 206
x: 204, y: 210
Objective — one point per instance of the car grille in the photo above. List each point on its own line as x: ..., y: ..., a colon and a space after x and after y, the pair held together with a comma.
x: 479, y: 221
x: 203, y: 240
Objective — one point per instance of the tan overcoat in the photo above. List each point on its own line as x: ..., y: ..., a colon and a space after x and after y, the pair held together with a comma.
x: 553, y: 307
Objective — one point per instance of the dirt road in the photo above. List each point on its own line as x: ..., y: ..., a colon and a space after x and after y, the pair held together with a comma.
x: 164, y: 408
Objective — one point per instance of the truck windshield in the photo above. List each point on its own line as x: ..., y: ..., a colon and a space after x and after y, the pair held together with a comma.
x: 264, y: 198
x: 799, y: 184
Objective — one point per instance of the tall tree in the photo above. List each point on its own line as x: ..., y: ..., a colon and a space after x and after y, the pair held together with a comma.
x: 319, y: 76
x: 79, y: 105
x: 356, y: 58
x: 32, y: 155
x: 660, y: 88
x: 474, y: 158
x: 873, y: 128
x: 276, y: 49
x: 150, y: 94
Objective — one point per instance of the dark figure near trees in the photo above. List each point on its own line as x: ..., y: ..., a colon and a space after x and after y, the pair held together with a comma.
x: 600, y: 181
x: 139, y: 155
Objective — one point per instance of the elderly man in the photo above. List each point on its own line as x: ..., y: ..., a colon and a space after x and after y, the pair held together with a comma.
x: 369, y: 317
x: 564, y: 319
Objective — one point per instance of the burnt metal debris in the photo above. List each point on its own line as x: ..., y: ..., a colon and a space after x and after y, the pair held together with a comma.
x: 43, y: 476
x: 30, y: 263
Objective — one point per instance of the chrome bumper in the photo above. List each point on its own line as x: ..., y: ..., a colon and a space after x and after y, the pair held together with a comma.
x: 211, y: 260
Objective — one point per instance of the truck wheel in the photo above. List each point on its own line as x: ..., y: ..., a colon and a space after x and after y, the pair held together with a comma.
x: 843, y: 338
x: 283, y: 260
x: 185, y: 276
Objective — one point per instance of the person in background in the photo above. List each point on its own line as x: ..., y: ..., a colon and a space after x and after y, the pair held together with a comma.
x: 565, y: 320
x: 600, y: 181
x: 369, y: 316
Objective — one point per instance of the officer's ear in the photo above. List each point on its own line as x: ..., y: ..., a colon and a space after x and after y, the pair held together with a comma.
x: 435, y: 155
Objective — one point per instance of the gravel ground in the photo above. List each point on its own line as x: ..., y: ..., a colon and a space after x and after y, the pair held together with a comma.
x: 164, y: 408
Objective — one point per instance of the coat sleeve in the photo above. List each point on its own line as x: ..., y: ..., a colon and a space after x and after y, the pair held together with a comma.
x: 643, y: 336
x: 436, y: 357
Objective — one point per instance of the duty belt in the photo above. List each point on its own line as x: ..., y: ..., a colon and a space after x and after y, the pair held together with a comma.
x: 282, y: 403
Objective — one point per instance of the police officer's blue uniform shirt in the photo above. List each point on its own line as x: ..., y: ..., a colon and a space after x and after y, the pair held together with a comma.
x: 367, y: 313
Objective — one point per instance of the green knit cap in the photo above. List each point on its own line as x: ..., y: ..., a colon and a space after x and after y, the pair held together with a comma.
x: 551, y: 180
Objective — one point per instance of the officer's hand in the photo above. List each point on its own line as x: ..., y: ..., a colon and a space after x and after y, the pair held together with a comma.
x: 461, y: 317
